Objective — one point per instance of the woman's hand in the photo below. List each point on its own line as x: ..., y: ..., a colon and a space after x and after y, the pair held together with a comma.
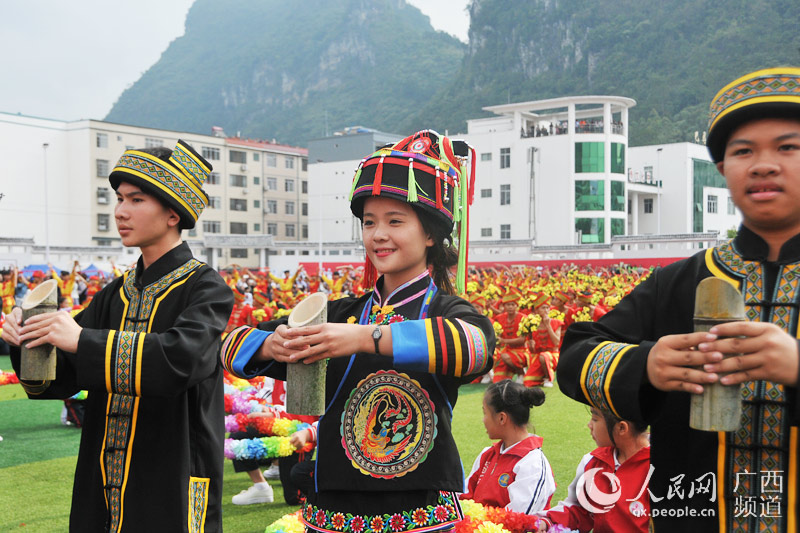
x: 313, y: 343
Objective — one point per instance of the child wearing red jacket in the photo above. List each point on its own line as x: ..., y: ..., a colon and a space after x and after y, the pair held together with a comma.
x: 514, y: 473
x: 609, y: 492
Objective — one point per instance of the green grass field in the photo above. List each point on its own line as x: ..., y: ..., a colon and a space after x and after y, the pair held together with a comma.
x: 37, y: 458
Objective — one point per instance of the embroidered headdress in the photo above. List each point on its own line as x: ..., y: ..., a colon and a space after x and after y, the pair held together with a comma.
x: 430, y: 171
x: 767, y: 93
x: 177, y: 182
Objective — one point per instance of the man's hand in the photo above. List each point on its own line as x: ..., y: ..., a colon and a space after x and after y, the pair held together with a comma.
x: 672, y: 362
x: 766, y: 352
x: 12, y: 326
x: 56, y: 328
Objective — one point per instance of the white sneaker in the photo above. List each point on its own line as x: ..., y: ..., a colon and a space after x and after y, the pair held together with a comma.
x: 547, y: 383
x: 254, y: 495
x: 273, y: 472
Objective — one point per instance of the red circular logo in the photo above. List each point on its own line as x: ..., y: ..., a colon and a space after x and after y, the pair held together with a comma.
x: 420, y: 145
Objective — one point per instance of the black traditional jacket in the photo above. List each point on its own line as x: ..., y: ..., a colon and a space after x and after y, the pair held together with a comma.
x: 700, y: 481
x: 151, y: 452
x: 385, y: 446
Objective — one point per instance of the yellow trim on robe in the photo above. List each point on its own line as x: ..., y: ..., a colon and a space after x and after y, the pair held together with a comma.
x: 585, y: 370
x: 206, y: 481
x: 611, y: 369
x: 109, y: 351
x: 137, y: 384
x: 431, y: 357
x: 457, y: 344
x: 158, y: 300
x: 103, y: 453
x: 715, y: 270
x: 128, y: 462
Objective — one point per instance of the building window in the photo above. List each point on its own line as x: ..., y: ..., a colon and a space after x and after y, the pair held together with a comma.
x: 505, y: 157
x: 272, y: 207
x: 239, y: 228
x: 213, y: 178
x: 272, y: 184
x: 648, y: 206
x: 505, y: 231
x: 239, y: 253
x: 272, y: 228
x: 103, y: 195
x: 486, y: 156
x: 211, y: 226
x: 505, y: 194
x: 290, y: 230
x: 235, y: 156
x: 304, y: 209
x: 102, y: 168
x: 152, y: 143
x: 304, y: 186
x: 486, y: 193
x: 215, y: 202
x: 617, y: 226
x: 589, y: 157
x: 304, y: 230
x: 256, y: 157
x: 238, y: 180
x: 290, y: 208
x: 272, y: 160
x: 238, y: 204
x: 257, y: 227
x: 289, y: 162
x: 102, y: 222
x: 617, y: 158
x: 589, y: 195
x: 257, y: 204
x: 256, y: 180
x: 731, y: 206
x: 209, y: 153
x: 618, y: 196
x: 486, y: 232
x: 712, y: 204
x: 592, y: 230
x: 304, y: 164
x: 102, y: 140
x: 289, y: 186
x: 193, y: 232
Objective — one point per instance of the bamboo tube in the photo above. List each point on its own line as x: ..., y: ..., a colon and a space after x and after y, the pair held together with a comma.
x: 39, y: 363
x: 305, y: 384
x: 719, y: 407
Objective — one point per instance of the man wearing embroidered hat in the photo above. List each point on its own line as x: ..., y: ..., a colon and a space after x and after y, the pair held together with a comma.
x: 146, y: 349
x: 642, y: 360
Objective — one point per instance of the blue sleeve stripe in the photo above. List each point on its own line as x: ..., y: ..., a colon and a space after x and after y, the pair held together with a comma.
x: 410, y: 345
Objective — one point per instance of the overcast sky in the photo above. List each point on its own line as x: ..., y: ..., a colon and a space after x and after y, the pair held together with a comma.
x: 72, y: 60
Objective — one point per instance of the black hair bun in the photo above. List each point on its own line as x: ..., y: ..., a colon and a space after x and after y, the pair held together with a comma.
x: 533, y: 396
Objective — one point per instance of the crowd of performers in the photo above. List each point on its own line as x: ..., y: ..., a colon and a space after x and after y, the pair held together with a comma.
x: 530, y: 308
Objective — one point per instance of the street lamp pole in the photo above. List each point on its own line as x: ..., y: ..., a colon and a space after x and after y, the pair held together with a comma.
x: 46, y: 209
x: 658, y: 184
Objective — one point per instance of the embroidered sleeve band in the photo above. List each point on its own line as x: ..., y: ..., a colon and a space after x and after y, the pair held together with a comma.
x: 439, y: 346
x: 598, y: 373
x: 239, y: 347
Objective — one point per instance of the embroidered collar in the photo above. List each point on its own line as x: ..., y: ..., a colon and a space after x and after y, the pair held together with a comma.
x: 407, y: 292
x: 751, y: 246
x: 162, y: 266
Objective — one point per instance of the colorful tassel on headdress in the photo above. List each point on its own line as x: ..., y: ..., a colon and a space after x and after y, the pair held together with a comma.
x: 355, y: 180
x: 370, y: 274
x: 463, y: 237
x: 439, y: 203
x: 412, y: 182
x: 376, y: 184
x: 472, y: 175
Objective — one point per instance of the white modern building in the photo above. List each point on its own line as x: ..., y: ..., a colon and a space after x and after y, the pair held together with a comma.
x: 676, y: 188
x: 56, y: 202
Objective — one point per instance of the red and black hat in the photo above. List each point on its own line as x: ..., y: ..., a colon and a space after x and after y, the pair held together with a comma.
x: 428, y: 170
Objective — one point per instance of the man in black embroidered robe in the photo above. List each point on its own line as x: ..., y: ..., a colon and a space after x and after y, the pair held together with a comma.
x: 146, y: 349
